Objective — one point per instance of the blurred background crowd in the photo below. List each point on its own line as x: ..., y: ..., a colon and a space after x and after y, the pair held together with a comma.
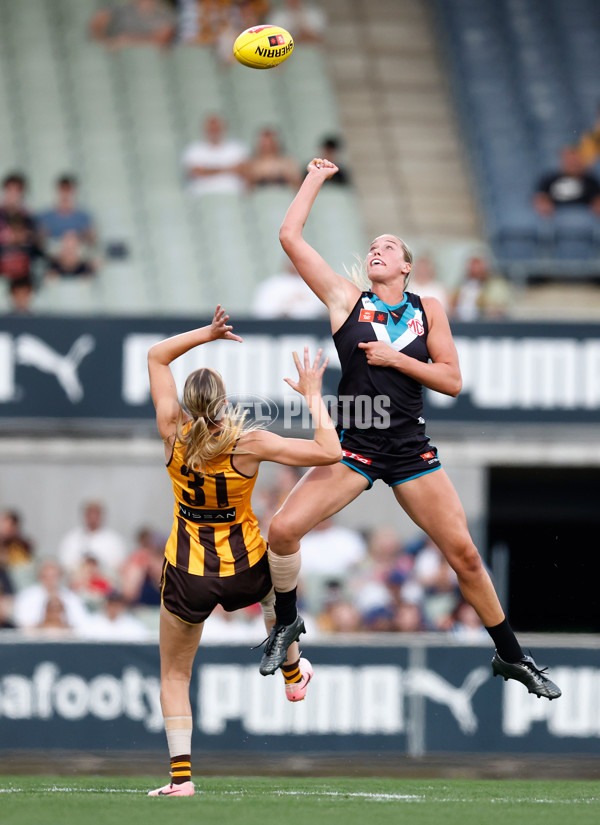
x: 98, y: 585
x: 529, y: 154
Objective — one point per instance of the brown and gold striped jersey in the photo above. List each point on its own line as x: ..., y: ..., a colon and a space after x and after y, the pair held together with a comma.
x: 215, y: 532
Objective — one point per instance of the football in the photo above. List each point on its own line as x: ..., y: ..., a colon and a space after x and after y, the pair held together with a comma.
x: 263, y: 47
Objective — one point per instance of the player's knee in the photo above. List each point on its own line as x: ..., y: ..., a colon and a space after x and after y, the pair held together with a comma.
x: 467, y: 562
x: 281, y: 532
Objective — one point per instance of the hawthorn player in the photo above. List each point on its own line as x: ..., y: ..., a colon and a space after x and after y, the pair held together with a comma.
x: 215, y: 553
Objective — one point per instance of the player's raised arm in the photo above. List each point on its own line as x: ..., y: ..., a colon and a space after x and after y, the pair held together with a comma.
x: 324, y: 448
x: 336, y: 292
x: 160, y: 356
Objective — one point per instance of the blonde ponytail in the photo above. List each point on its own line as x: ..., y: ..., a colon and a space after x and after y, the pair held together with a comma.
x: 358, y: 274
x: 204, y: 399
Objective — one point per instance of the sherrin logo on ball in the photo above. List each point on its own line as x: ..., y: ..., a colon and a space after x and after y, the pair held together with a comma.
x: 263, y: 47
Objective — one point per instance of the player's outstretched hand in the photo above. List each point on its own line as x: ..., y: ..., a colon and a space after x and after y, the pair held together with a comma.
x: 322, y: 167
x: 219, y: 327
x: 309, y: 377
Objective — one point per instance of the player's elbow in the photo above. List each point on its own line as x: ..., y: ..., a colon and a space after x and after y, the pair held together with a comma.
x: 284, y: 236
x: 287, y: 236
x: 332, y: 455
x: 152, y: 354
x: 155, y: 355
x: 455, y: 387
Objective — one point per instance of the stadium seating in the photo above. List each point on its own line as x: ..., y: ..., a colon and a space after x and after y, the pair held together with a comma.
x: 120, y: 121
x: 525, y: 76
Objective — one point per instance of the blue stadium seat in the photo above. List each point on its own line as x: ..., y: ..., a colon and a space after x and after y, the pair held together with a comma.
x: 575, y: 229
x: 527, y: 78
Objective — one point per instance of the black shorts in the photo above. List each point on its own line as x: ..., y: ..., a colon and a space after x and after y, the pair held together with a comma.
x: 193, y: 598
x: 392, y: 459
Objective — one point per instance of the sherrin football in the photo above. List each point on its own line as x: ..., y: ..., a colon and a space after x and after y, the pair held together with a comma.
x: 263, y: 47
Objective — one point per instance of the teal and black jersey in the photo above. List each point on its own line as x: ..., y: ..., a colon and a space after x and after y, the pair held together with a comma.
x: 381, y: 397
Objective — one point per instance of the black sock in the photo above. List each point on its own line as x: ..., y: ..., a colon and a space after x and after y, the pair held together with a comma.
x: 506, y: 642
x: 285, y: 607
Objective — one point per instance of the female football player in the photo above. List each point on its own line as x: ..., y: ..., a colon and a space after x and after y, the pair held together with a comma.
x: 391, y: 344
x: 215, y: 553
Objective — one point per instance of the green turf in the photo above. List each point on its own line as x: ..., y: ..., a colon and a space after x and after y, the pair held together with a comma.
x: 25, y: 800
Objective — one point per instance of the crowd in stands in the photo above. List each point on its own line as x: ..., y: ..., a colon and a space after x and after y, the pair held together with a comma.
x: 58, y: 242
x: 61, y: 241
x: 482, y: 294
x: 571, y: 185
x: 220, y: 164
x: 95, y: 586
x: 211, y: 23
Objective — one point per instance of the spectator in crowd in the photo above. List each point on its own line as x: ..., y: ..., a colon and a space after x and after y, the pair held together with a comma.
x: 218, y: 22
x: 6, y: 585
x: 408, y: 618
x: 55, y: 621
x: 93, y: 539
x: 239, y: 16
x: 423, y: 282
x: 372, y: 598
x: 6, y: 607
x: 200, y: 22
x: 141, y: 573
x: 571, y: 185
x: 386, y: 566
x: 339, y: 615
x: 31, y: 602
x: 215, y: 164
x: 12, y: 205
x: 329, y: 552
x: 378, y: 619
x: 70, y: 260
x: 65, y: 215
x: 15, y: 548
x: 305, y: 22
x: 589, y: 144
x: 464, y: 623
x: 135, y: 23
x: 269, y: 165
x: 18, y: 248
x: 115, y: 623
x: 90, y: 582
x: 331, y: 148
x: 285, y: 295
x: 482, y: 293
x: 21, y: 295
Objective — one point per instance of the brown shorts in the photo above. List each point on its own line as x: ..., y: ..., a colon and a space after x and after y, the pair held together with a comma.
x: 193, y: 598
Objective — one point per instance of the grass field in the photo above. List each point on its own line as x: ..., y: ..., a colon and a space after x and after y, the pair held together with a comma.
x: 25, y: 800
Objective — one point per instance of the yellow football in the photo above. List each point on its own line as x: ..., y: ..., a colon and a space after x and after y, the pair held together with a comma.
x: 263, y: 47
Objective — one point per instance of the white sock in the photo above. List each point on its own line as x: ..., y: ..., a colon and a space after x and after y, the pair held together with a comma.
x: 179, y: 735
